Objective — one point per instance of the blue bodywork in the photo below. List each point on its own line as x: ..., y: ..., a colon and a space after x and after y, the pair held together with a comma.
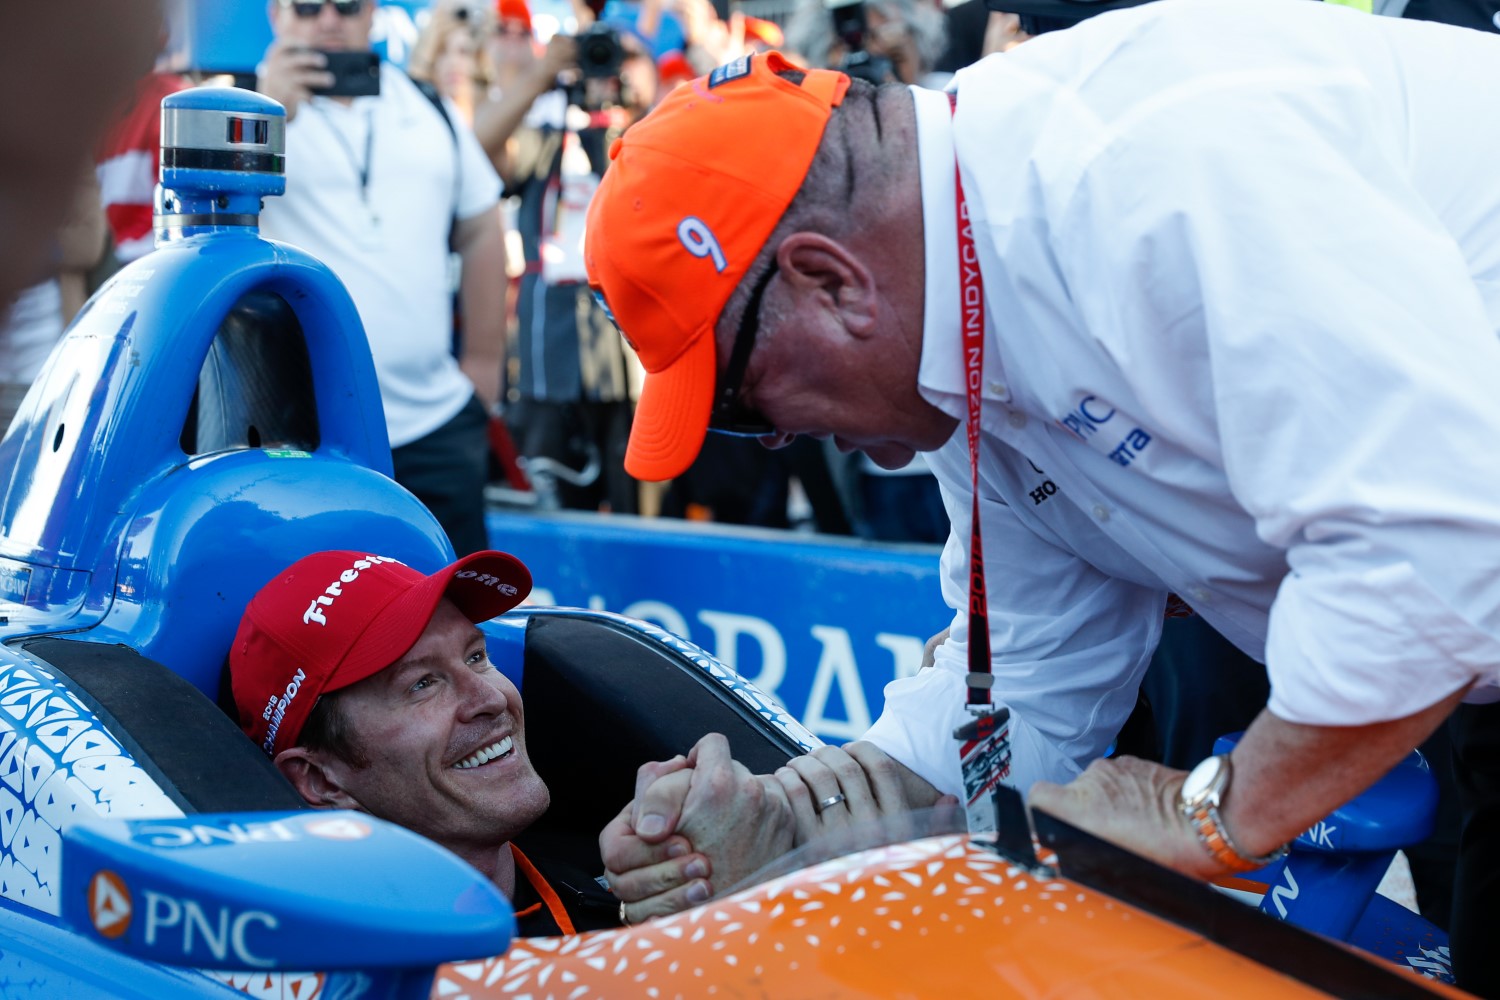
x: 1327, y: 881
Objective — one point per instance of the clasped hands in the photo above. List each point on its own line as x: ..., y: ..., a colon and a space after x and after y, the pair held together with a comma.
x: 700, y: 824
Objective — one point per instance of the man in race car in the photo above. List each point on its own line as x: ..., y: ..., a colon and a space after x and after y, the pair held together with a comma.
x: 369, y: 686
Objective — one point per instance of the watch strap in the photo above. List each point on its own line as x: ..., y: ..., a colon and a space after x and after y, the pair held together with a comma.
x: 1202, y: 813
x: 1212, y: 834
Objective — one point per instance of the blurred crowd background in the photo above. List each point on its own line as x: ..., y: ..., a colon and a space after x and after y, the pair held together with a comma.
x: 542, y: 88
x: 522, y: 383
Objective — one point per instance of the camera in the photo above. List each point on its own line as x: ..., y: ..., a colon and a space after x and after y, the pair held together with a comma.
x: 600, y: 53
x: 850, y: 26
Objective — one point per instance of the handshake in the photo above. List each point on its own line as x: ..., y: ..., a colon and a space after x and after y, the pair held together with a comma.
x: 700, y: 825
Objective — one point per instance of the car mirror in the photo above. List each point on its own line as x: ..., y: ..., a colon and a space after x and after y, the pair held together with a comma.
x: 312, y: 890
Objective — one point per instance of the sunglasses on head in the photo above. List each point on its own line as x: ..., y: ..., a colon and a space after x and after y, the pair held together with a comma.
x: 730, y: 415
x: 312, y: 8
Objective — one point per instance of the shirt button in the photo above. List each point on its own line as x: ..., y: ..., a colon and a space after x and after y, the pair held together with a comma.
x: 1101, y: 512
x: 1017, y: 419
x: 1200, y: 595
x: 997, y: 388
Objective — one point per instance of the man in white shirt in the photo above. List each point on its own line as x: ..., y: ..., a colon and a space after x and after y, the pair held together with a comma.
x: 375, y: 185
x: 1240, y: 272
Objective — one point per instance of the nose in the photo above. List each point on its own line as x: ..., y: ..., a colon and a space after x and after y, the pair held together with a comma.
x: 481, y: 695
x: 775, y: 441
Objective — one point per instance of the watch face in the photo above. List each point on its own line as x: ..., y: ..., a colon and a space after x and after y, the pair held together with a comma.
x: 1202, y: 780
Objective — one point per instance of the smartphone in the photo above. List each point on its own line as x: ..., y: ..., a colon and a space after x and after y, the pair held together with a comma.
x: 355, y: 74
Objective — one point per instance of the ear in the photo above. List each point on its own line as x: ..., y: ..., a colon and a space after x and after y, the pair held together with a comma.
x: 316, y: 778
x: 827, y: 269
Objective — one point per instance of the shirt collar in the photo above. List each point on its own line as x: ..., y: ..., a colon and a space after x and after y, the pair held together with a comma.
x: 939, y: 378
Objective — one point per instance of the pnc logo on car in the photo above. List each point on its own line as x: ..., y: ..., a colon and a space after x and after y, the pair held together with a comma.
x: 109, y: 904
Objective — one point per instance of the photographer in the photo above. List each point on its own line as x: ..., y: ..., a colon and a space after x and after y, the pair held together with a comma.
x: 881, y: 41
x: 547, y: 129
x: 381, y: 182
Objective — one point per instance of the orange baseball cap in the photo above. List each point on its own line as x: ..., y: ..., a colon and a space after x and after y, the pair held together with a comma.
x: 691, y: 195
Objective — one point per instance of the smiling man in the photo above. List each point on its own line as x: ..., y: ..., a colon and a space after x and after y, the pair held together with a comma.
x: 368, y: 684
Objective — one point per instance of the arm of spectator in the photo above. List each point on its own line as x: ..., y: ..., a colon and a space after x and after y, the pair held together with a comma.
x: 496, y: 119
x: 80, y: 243
x: 1002, y: 32
x: 648, y: 22
x: 480, y: 241
x: 81, y: 239
x: 583, y: 14
x: 289, y: 74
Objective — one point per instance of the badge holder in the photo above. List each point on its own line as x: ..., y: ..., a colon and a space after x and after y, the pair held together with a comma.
x: 984, y: 755
x: 984, y: 741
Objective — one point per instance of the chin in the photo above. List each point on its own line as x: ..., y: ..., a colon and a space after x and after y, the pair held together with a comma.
x: 529, y: 798
x: 523, y: 806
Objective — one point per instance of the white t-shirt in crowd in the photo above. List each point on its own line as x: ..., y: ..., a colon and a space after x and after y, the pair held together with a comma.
x: 389, y: 243
x: 28, y: 332
x: 1241, y: 264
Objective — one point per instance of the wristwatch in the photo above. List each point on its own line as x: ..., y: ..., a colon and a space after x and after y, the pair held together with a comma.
x: 1199, y: 801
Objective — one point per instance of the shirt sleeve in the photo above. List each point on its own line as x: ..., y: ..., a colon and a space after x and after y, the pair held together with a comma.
x: 1069, y: 644
x: 479, y: 186
x: 1287, y: 304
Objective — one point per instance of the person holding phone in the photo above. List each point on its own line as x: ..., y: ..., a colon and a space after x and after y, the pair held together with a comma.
x: 382, y: 182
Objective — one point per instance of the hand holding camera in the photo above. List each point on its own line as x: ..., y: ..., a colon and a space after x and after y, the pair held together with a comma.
x: 290, y: 74
x: 561, y: 55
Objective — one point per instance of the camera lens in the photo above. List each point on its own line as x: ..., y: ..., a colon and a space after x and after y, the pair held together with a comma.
x: 599, y: 52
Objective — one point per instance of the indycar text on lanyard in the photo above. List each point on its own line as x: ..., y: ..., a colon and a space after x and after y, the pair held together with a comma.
x: 984, y: 741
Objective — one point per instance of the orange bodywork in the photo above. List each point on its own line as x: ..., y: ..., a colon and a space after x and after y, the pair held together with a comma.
x: 941, y: 917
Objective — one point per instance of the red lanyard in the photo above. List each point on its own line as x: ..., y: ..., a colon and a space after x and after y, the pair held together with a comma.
x: 971, y: 300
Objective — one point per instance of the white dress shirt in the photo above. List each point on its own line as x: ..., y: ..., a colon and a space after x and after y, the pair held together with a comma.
x: 389, y: 242
x: 1242, y: 274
